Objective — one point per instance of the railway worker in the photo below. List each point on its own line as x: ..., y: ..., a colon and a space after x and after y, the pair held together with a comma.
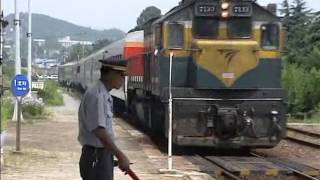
x: 95, y: 125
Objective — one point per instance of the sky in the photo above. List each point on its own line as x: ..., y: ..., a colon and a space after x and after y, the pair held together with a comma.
x: 105, y: 14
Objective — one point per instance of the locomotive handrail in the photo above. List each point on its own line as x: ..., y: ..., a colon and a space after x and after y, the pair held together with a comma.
x: 213, y: 99
x: 180, y: 49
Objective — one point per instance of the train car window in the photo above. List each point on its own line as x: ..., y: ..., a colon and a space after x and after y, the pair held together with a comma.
x: 205, y: 27
x: 270, y: 36
x: 176, y: 35
x: 240, y: 28
x: 158, y: 36
x: 78, y: 69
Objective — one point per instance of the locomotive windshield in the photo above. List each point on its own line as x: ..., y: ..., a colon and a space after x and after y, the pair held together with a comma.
x: 176, y: 39
x: 239, y: 27
x: 205, y: 27
x: 270, y: 36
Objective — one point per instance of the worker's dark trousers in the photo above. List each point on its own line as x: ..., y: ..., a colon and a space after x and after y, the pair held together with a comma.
x: 96, y: 164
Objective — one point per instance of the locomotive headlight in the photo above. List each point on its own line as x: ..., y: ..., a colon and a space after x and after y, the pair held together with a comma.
x: 225, y: 5
x: 225, y: 14
x: 274, y: 112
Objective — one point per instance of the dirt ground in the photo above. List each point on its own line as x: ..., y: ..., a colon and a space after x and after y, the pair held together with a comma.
x: 49, y: 147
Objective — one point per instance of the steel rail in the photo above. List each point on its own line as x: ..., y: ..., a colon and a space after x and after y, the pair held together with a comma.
x: 296, y: 172
x: 313, y: 134
x: 304, y: 133
x: 224, y: 170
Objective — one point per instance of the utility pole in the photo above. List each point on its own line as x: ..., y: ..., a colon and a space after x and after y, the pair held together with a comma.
x: 17, y: 29
x: 18, y: 59
x: 29, y: 35
x: 1, y: 74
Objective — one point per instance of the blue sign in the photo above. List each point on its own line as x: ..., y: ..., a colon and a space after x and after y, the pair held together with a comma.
x: 20, y: 85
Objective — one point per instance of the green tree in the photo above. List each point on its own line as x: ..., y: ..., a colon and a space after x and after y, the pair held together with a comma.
x: 300, y: 13
x: 77, y: 52
x: 297, y: 19
x: 285, y: 11
x: 301, y: 76
x: 313, y: 35
x: 100, y: 44
x: 147, y: 14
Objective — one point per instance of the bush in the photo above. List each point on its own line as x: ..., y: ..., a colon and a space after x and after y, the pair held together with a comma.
x: 50, y: 94
x: 32, y: 108
x: 303, y: 88
x: 6, y: 112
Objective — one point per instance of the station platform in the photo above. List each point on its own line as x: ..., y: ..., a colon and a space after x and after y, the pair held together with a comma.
x: 50, y: 150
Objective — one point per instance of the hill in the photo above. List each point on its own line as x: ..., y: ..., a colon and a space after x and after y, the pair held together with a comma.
x: 46, y: 27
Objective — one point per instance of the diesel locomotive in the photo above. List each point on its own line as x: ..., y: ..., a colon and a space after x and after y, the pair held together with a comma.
x: 226, y: 74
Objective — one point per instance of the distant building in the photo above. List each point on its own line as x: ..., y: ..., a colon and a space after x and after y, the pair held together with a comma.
x: 40, y: 42
x: 46, y: 63
x: 67, y: 42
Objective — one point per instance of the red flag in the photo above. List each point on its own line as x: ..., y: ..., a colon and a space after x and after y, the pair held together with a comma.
x: 132, y: 175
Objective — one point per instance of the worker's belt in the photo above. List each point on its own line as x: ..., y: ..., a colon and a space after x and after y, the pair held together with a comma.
x: 91, y: 148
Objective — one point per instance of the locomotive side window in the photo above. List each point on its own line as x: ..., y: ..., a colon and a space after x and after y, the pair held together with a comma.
x: 176, y: 35
x: 158, y: 36
x: 240, y: 28
x: 205, y: 27
x: 270, y: 36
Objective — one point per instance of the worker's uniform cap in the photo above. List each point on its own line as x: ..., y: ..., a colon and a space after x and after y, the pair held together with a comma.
x: 118, y: 65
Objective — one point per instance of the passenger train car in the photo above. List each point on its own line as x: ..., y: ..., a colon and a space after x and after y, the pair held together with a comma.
x: 226, y: 74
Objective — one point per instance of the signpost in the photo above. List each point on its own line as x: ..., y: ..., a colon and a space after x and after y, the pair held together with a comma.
x: 20, y: 88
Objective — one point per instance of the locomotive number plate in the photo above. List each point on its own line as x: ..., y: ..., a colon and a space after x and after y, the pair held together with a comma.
x: 228, y: 75
x: 242, y: 10
x: 206, y: 9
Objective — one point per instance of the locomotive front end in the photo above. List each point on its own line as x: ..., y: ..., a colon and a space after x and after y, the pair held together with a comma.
x: 233, y: 97
x: 226, y: 75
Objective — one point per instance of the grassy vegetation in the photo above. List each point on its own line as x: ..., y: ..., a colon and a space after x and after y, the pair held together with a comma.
x: 303, y: 92
x: 303, y: 88
x: 313, y: 118
x: 6, y: 112
x: 50, y: 94
x: 33, y: 109
x: 6, y: 105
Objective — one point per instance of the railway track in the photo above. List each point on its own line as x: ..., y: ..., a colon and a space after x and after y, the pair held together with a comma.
x: 306, y: 138
x: 254, y: 167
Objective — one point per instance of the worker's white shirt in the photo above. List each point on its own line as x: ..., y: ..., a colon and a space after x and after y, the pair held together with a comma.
x: 96, y: 110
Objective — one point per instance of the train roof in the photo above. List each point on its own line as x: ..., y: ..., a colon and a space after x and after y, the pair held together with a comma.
x: 115, y: 48
x: 184, y: 4
x: 135, y: 36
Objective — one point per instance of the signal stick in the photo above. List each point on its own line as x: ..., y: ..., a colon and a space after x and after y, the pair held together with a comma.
x: 170, y: 116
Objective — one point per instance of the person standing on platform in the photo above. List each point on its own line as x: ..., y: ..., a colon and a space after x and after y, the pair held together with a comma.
x: 95, y: 125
